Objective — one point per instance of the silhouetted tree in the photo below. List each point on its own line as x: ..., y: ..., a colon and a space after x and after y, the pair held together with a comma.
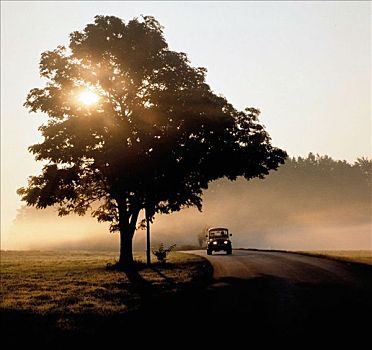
x: 154, y: 139
x: 365, y: 165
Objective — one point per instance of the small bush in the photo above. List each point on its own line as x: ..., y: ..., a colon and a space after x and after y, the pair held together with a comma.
x: 161, y: 253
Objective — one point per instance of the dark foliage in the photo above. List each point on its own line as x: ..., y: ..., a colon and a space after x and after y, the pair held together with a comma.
x: 162, y: 252
x: 155, y: 138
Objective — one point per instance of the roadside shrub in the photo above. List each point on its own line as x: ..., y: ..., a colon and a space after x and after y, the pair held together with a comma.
x: 161, y: 253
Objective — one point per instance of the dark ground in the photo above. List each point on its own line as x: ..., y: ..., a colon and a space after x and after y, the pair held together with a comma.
x: 227, y: 311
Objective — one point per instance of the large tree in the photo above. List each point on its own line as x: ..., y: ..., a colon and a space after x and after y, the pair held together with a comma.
x: 132, y: 125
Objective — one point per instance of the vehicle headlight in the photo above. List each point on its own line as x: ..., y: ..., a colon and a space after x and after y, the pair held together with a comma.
x: 214, y: 242
x: 225, y: 242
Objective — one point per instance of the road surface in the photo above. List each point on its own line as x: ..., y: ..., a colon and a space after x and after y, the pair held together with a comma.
x: 292, y: 267
x: 289, y: 295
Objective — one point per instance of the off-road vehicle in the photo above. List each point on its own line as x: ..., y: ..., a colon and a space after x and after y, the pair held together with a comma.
x: 218, y: 239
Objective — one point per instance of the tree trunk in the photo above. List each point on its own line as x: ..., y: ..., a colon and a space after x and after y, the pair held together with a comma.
x: 126, y: 248
x: 127, y: 227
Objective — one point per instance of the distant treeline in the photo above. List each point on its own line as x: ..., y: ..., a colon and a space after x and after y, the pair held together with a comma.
x: 324, y: 181
x: 316, y: 170
x: 305, y: 200
x: 319, y: 186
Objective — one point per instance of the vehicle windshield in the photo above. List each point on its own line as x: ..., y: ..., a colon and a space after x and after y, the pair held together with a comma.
x: 218, y: 233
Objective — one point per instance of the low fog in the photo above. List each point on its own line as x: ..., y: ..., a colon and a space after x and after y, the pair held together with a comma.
x: 308, y: 204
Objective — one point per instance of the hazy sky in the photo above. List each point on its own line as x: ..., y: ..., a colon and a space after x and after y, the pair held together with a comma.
x: 306, y: 65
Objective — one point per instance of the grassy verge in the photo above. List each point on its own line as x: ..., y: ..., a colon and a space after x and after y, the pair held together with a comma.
x: 53, y: 295
x: 354, y: 256
x: 359, y: 256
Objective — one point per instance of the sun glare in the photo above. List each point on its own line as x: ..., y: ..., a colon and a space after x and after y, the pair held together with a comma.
x: 88, y: 97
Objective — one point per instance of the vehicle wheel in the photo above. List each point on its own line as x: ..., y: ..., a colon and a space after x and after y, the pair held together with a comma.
x: 209, y: 252
x: 228, y: 252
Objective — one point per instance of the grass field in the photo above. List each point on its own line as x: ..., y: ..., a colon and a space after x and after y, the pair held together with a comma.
x: 59, y: 300
x: 63, y: 299
x: 78, y: 282
x: 360, y: 256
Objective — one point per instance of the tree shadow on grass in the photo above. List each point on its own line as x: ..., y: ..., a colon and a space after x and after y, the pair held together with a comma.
x: 230, y: 311
x: 162, y: 275
x: 141, y: 285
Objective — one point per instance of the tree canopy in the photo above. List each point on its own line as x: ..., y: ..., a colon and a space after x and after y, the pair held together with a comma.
x: 132, y: 125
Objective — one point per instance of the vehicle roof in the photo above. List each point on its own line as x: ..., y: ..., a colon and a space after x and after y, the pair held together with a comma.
x: 218, y: 228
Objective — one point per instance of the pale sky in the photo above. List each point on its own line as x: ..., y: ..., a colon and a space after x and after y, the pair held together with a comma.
x: 306, y: 65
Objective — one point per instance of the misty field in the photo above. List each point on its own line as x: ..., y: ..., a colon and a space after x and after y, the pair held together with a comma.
x: 360, y: 256
x: 76, y: 282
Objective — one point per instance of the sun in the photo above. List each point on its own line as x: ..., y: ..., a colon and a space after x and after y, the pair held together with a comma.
x: 88, y: 97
